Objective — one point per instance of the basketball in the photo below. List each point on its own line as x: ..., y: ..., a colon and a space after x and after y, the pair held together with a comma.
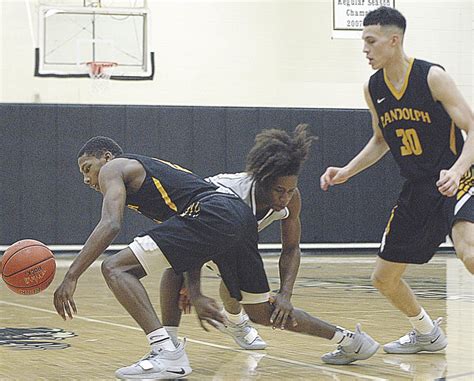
x: 28, y: 267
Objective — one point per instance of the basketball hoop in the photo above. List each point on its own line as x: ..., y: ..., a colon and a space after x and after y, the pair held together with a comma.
x: 101, y: 69
x: 100, y: 72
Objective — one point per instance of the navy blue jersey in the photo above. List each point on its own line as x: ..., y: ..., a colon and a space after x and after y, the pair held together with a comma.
x: 167, y: 190
x: 421, y: 135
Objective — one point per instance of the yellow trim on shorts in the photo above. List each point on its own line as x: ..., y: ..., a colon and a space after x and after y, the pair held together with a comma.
x: 392, y: 214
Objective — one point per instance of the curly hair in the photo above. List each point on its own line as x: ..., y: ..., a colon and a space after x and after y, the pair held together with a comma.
x: 277, y: 154
x: 97, y: 145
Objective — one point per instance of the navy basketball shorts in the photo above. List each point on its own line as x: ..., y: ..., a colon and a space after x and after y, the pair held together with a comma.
x: 423, y: 218
x: 221, y: 228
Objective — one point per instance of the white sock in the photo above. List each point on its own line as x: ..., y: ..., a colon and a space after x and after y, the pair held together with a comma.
x: 342, y: 336
x: 236, y: 319
x: 173, y: 332
x: 160, y: 339
x: 422, y: 322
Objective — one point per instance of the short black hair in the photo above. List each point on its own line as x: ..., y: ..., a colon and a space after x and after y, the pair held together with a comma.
x: 276, y: 154
x: 385, y: 16
x: 98, y: 145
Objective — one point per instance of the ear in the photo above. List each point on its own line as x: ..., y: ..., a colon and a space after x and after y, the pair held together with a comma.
x: 108, y: 156
x: 395, y: 39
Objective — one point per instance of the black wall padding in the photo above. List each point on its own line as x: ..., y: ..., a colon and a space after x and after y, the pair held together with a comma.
x: 43, y: 196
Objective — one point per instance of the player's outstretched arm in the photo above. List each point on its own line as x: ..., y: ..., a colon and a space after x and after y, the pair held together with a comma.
x: 445, y: 91
x: 114, y: 194
x: 289, y: 263
x: 373, y: 151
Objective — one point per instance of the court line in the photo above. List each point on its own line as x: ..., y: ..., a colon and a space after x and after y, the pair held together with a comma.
x: 455, y: 376
x: 294, y: 362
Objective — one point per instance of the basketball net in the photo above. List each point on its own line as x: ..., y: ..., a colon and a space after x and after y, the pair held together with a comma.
x: 100, y: 73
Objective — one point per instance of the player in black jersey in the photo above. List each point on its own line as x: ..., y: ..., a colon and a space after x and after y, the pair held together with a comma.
x: 198, y: 224
x: 417, y: 113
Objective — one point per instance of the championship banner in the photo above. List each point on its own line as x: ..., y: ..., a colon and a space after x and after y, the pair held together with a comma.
x: 348, y: 16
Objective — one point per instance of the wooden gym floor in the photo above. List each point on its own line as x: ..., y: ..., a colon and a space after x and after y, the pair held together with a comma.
x: 335, y: 288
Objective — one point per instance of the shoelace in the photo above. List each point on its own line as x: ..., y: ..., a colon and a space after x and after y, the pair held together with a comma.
x: 412, y: 336
x: 150, y: 355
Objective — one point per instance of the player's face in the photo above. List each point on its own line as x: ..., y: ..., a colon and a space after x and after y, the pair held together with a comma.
x: 281, y: 192
x: 90, y: 167
x: 378, y: 45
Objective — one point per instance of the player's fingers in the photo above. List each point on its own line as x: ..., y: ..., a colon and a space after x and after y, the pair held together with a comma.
x: 283, y: 320
x: 68, y: 309
x: 274, y: 316
x: 442, y: 178
x: 442, y: 181
x: 59, y: 308
x: 201, y: 322
x: 187, y: 308
x: 294, y: 322
x: 323, y: 183
x: 73, y: 305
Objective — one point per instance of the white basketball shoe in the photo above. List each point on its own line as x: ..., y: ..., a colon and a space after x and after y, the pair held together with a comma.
x: 414, y: 342
x: 158, y: 365
x: 361, y: 348
x: 244, y: 334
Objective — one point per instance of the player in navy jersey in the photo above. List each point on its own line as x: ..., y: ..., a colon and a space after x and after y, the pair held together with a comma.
x: 198, y: 224
x: 418, y: 114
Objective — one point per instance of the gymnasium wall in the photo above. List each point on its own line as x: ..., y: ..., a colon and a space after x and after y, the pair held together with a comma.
x: 43, y: 197
x: 243, y: 53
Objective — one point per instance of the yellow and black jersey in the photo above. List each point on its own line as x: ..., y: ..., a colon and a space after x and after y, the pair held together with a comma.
x: 421, y: 135
x: 167, y: 190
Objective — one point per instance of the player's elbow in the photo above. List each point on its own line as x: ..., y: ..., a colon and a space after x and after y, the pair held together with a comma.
x: 112, y: 227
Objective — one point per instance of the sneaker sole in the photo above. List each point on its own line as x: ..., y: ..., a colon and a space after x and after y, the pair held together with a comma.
x: 156, y: 376
x: 373, y: 349
x: 412, y: 352
x: 250, y: 347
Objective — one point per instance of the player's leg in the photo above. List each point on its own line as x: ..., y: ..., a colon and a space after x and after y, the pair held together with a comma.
x: 170, y: 287
x: 463, y: 239
x: 244, y: 275
x: 122, y: 273
x: 461, y: 218
x: 238, y: 326
x: 352, y: 346
x: 387, y: 278
x: 416, y: 228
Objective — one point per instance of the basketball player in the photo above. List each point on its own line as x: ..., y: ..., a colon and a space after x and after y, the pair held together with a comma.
x: 198, y: 224
x: 269, y: 187
x: 418, y: 114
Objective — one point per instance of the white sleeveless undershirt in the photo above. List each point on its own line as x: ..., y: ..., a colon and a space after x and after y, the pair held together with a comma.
x: 243, y: 186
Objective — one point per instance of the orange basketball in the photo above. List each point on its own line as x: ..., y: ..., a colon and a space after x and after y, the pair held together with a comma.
x: 28, y: 267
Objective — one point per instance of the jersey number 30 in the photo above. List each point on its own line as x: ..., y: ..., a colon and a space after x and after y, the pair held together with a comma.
x: 410, y: 142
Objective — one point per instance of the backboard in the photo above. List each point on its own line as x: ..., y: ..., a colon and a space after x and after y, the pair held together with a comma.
x: 71, y: 37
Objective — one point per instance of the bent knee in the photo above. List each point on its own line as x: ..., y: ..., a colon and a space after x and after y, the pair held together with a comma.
x: 383, y: 283
x: 465, y: 253
x: 108, y: 268
x: 468, y: 261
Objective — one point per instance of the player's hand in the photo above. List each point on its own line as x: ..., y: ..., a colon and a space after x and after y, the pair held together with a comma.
x: 184, y: 301
x: 63, y: 298
x: 208, y: 311
x: 282, y: 311
x: 333, y: 176
x: 448, y: 182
